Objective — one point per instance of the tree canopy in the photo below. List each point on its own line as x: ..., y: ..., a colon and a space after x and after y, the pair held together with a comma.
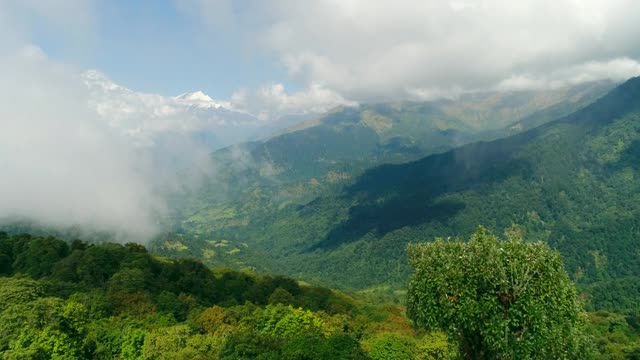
x: 498, y: 299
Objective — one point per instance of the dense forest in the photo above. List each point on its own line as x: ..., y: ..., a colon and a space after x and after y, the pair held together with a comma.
x: 74, y: 300
x: 320, y: 156
x: 78, y: 301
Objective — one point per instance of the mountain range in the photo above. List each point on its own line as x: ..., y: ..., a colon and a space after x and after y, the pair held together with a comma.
x: 150, y: 118
x: 337, y: 199
x: 299, y: 162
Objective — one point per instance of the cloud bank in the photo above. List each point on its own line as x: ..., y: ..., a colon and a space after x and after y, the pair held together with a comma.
x: 400, y: 49
x: 61, y: 164
x: 272, y: 101
x: 74, y: 155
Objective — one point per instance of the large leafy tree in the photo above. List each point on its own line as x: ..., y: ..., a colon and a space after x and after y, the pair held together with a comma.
x: 499, y: 299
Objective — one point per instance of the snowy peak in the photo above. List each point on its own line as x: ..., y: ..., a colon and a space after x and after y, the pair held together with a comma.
x: 196, y: 96
x: 102, y: 86
x: 201, y: 100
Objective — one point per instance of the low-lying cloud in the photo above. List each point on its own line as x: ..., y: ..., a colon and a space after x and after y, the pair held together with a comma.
x: 62, y: 165
x: 272, y: 101
x: 77, y: 150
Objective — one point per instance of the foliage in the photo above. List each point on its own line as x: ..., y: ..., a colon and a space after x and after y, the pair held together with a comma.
x: 616, y: 336
x: 106, y: 301
x: 498, y: 299
x: 391, y: 347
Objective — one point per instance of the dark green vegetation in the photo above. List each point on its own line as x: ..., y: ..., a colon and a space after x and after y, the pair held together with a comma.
x: 571, y: 183
x: 347, y: 140
x: 105, y: 301
x: 74, y: 300
x: 498, y: 299
x: 320, y: 157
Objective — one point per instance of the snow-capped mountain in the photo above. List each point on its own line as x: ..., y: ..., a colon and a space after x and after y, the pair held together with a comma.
x: 201, y: 100
x: 151, y: 118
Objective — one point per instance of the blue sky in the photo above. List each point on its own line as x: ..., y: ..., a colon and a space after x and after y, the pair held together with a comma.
x: 152, y: 46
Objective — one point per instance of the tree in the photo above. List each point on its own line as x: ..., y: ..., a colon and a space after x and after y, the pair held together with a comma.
x: 14, y: 291
x: 281, y: 296
x: 390, y: 346
x: 39, y: 255
x: 285, y: 321
x: 127, y: 281
x: 212, y: 319
x: 46, y: 328
x: 316, y: 347
x: 434, y: 346
x: 497, y: 299
x: 178, y: 342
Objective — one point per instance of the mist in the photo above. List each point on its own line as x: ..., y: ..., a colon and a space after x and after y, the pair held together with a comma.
x: 63, y: 165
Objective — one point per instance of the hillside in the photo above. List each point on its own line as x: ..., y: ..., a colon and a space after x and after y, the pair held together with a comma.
x: 570, y: 182
x: 112, y: 301
x: 252, y: 181
x: 76, y: 300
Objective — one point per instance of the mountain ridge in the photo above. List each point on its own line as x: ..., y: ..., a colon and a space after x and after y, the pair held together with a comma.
x: 542, y: 179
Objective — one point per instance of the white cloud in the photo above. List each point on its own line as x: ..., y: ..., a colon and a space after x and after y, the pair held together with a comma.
x: 61, y: 164
x: 367, y: 50
x: 101, y: 157
x: 618, y: 69
x: 145, y: 117
x: 76, y: 149
x: 273, y: 100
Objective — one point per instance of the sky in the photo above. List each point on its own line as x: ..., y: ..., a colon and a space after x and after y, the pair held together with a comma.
x: 359, y: 49
x: 89, y: 119
x: 169, y: 50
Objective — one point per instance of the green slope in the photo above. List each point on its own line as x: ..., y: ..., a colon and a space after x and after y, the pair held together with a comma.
x: 253, y: 180
x: 572, y: 182
x: 77, y: 300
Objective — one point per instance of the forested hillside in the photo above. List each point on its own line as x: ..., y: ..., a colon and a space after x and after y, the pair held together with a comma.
x: 337, y: 146
x: 107, y: 301
x: 251, y: 182
x: 571, y: 183
x: 74, y: 300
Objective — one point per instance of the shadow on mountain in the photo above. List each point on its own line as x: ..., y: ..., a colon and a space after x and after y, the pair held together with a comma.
x: 388, y: 217
x: 391, y: 197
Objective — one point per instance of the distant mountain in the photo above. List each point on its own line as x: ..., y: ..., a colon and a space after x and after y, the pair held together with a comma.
x: 292, y: 194
x: 152, y: 119
x: 202, y: 100
x: 325, y: 153
x: 571, y: 182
